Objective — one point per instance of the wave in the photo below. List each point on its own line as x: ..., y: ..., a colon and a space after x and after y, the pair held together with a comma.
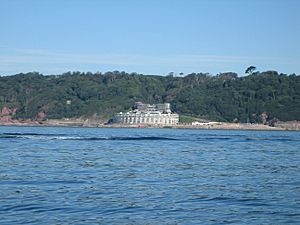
x: 201, y: 138
x: 271, y: 139
x: 32, y: 134
x: 79, y: 138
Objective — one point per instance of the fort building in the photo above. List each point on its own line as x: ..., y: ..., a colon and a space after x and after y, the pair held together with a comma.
x: 147, y: 114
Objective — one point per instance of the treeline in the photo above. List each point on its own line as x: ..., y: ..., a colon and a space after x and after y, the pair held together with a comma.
x: 259, y: 97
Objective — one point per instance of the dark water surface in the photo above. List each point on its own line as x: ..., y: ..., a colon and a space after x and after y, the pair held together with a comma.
x: 148, y: 176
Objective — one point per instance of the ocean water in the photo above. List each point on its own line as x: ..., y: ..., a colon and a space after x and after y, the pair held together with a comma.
x: 148, y: 176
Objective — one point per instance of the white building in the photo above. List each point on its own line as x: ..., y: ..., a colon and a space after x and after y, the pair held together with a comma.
x: 158, y: 114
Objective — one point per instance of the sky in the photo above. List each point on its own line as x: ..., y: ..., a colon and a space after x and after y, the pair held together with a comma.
x: 149, y: 36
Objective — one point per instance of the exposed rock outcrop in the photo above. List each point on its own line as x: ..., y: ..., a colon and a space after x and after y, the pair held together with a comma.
x: 5, y: 111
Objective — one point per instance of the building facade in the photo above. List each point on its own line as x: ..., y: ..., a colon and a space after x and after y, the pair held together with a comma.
x: 146, y: 114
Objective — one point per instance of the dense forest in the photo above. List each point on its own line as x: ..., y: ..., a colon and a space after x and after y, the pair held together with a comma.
x: 258, y: 97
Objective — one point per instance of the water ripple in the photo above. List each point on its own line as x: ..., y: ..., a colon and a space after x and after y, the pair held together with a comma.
x: 148, y: 176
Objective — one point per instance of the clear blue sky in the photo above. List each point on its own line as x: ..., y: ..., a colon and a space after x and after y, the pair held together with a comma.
x: 149, y: 36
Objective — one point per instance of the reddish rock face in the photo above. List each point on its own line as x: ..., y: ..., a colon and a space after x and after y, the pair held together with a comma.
x: 41, y: 115
x: 5, y: 111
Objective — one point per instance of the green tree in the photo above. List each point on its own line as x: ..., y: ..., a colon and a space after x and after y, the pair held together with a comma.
x: 250, y: 70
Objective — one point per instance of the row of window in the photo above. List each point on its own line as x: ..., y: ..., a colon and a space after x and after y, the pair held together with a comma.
x: 153, y: 120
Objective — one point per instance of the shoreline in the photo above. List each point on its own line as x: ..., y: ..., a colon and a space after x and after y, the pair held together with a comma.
x: 88, y: 124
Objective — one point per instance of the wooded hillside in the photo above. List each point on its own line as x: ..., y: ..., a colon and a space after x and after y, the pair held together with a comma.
x: 224, y: 97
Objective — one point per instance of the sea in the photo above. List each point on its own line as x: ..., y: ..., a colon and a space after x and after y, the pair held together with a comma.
x: 52, y: 175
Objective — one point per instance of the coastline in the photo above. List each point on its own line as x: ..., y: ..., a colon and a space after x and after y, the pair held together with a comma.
x: 292, y: 125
